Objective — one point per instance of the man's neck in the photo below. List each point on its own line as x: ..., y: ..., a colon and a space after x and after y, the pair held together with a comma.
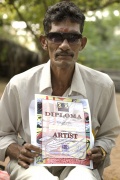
x: 61, y: 81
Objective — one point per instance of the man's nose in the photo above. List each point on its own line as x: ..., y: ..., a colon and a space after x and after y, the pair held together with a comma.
x: 64, y: 45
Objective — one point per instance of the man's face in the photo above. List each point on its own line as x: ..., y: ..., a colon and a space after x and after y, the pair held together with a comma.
x: 64, y: 54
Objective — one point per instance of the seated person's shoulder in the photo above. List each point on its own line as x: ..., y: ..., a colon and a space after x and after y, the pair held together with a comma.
x: 96, y: 77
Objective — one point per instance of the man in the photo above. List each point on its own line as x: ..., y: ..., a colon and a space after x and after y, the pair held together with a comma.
x: 61, y: 76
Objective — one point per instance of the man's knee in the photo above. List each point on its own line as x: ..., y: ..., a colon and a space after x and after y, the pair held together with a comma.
x: 33, y: 172
x: 81, y: 173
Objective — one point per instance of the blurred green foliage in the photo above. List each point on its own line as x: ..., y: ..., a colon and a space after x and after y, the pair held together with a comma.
x: 103, y: 46
x: 102, y: 50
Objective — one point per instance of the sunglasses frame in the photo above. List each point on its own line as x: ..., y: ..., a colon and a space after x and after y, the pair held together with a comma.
x: 70, y: 37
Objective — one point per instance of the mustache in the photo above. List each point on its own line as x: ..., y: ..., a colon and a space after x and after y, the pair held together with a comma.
x: 64, y: 54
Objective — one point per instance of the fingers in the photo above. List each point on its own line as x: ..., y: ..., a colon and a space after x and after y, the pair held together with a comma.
x: 25, y: 158
x: 31, y: 147
x: 23, y: 164
x: 27, y: 155
x: 95, y: 154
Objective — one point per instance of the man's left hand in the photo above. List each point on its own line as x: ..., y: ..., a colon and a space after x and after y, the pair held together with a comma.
x: 96, y: 155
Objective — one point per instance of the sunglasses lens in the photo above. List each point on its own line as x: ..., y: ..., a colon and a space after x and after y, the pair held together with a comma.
x: 73, y: 38
x: 55, y: 37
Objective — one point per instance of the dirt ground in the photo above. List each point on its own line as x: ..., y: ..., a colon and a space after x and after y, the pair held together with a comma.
x: 113, y: 171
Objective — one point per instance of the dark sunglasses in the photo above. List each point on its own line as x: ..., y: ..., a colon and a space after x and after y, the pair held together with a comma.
x: 58, y: 37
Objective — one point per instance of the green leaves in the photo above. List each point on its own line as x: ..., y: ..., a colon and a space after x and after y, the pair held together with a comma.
x: 100, y: 33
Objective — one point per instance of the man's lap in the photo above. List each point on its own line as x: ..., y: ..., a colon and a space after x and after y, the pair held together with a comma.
x: 44, y: 173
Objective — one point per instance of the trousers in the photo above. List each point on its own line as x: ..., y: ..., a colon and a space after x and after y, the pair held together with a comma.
x: 51, y: 173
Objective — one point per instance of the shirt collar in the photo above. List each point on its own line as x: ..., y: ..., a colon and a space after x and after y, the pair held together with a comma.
x: 45, y: 80
x: 77, y: 85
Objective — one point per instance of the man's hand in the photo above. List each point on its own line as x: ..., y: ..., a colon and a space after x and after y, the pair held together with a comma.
x: 27, y: 155
x: 96, y: 155
x: 23, y: 154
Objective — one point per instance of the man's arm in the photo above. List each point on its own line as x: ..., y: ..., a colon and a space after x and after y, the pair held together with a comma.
x: 109, y: 122
x: 109, y: 129
x: 9, y: 120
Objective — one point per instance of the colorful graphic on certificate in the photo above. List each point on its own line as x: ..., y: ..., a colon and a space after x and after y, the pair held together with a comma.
x: 63, y: 130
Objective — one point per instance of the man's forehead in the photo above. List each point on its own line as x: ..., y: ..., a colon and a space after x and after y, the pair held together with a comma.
x: 65, y: 26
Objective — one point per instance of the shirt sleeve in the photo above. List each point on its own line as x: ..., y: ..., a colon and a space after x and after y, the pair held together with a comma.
x: 108, y: 119
x: 10, y: 117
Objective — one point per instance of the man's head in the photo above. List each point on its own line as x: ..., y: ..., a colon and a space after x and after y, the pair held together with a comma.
x: 62, y: 11
x: 63, y: 38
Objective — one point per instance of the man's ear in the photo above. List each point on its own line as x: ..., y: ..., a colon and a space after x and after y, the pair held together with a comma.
x: 43, y: 42
x: 83, y: 43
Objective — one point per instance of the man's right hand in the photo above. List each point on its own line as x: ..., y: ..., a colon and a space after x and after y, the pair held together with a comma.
x: 27, y: 154
x: 23, y: 154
